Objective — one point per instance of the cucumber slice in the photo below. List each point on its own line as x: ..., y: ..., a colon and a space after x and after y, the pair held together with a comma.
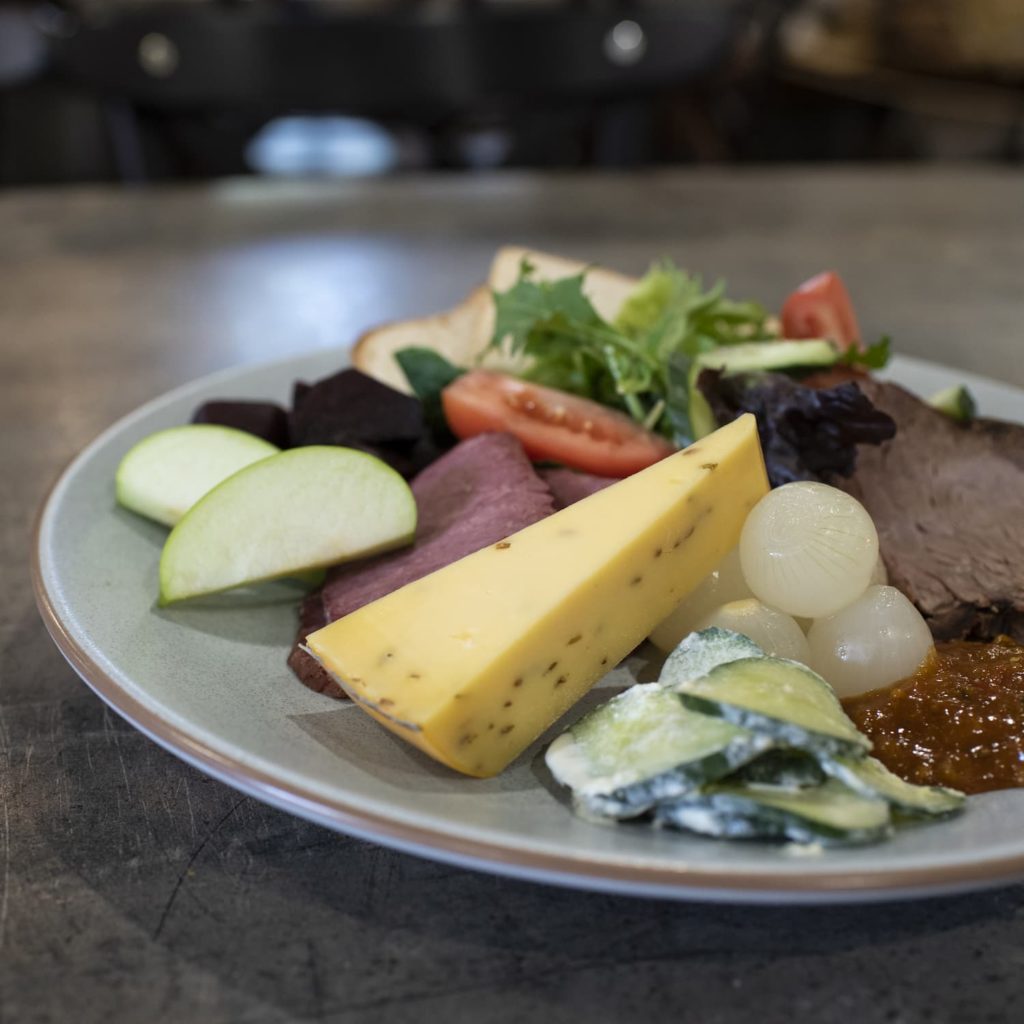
x: 955, y: 401
x: 829, y: 814
x: 791, y: 769
x: 701, y: 652
x: 643, y: 746
x: 870, y: 778
x: 753, y: 356
x: 783, y: 699
x: 749, y: 358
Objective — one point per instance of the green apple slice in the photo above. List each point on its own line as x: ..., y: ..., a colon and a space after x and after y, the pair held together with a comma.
x: 165, y: 474
x: 302, y: 509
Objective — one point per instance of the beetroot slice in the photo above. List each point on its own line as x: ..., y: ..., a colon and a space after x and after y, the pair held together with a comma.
x: 264, y: 419
x: 356, y: 411
x: 352, y: 409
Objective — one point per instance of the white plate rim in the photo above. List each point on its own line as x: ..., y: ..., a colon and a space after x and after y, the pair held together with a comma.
x: 690, y: 881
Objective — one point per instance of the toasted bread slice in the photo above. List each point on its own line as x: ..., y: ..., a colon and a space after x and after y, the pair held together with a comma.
x: 463, y: 332
x: 606, y: 289
x: 458, y: 334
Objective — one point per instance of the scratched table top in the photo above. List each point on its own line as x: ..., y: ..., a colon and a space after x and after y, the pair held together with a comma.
x: 132, y: 888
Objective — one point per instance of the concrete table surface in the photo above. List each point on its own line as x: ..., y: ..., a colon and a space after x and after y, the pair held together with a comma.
x: 134, y: 889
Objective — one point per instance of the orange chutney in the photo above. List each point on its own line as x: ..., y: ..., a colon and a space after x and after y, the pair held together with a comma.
x: 958, y: 721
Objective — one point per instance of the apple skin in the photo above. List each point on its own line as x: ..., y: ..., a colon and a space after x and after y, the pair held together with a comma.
x: 300, y: 510
x: 166, y: 473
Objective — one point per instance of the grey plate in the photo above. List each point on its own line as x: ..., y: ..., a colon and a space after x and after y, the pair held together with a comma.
x: 210, y: 684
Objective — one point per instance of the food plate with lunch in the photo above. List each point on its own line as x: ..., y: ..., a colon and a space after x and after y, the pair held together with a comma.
x: 615, y: 583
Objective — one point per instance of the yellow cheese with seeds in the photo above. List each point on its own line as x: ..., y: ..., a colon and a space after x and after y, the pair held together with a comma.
x: 473, y: 662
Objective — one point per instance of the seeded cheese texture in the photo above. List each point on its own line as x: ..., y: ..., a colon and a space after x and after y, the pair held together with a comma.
x: 473, y: 662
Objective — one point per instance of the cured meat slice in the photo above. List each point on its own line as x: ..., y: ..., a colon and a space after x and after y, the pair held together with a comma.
x: 477, y: 494
x: 569, y: 486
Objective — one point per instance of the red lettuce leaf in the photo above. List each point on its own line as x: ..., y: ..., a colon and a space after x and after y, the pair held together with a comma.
x: 806, y: 433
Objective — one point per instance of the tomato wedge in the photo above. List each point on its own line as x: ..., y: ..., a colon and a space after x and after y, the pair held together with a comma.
x: 821, y: 308
x: 551, y: 424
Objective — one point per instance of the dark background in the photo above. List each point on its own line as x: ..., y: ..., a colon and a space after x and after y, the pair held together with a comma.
x: 144, y: 90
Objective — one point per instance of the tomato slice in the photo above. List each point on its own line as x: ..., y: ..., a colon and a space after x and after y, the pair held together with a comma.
x: 551, y: 424
x: 821, y: 308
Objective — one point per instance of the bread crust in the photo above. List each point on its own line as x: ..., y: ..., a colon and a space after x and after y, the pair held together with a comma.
x: 462, y: 333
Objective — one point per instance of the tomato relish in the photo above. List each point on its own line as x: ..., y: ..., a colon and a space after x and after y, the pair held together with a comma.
x: 958, y: 721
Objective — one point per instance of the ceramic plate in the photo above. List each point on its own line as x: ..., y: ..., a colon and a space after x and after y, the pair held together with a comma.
x: 210, y: 684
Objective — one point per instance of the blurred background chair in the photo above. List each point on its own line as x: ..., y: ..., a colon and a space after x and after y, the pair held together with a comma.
x: 136, y: 90
x: 183, y: 88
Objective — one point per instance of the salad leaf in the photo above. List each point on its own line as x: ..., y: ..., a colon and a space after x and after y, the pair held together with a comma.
x: 530, y: 304
x: 428, y: 374
x: 639, y: 363
x: 645, y: 305
x: 874, y: 357
x: 806, y: 433
x: 677, y: 398
x: 671, y: 308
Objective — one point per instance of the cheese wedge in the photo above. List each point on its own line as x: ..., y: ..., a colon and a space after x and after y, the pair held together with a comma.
x: 473, y: 662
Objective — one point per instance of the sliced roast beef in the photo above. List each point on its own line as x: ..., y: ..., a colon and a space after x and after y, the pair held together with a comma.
x: 475, y: 495
x: 311, y: 618
x: 948, y: 501
x: 569, y: 486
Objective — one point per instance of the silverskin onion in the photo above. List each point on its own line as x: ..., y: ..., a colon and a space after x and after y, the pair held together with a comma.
x: 775, y: 632
x: 880, y: 577
x: 808, y: 549
x: 877, y: 640
x: 724, y: 584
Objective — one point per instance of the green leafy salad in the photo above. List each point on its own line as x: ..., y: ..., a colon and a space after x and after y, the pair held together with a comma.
x: 646, y: 361
x: 641, y: 362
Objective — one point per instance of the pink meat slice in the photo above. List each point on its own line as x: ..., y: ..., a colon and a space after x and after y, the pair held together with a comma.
x: 569, y: 486
x: 477, y: 494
